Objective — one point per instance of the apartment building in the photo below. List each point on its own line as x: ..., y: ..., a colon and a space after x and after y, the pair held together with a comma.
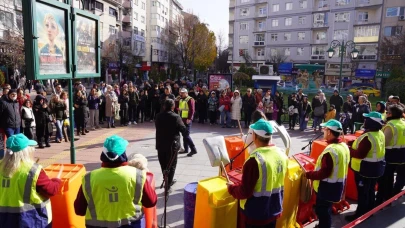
x: 11, y: 19
x: 300, y: 31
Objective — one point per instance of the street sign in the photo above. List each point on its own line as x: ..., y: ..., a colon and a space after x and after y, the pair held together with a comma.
x: 47, y: 39
x: 382, y: 74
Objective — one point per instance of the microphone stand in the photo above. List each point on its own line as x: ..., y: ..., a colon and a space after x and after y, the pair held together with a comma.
x: 311, y: 141
x: 236, y: 156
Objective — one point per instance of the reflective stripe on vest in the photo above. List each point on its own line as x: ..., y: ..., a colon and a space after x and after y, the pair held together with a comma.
x: 26, y: 198
x: 398, y: 141
x: 96, y: 221
x: 276, y: 160
x: 183, y: 107
x: 334, y: 178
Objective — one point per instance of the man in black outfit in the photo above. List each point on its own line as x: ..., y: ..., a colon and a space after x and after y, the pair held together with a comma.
x: 169, y: 125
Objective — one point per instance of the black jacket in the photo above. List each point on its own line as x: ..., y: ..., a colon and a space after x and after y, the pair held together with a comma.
x: 169, y: 125
x: 9, y: 114
x: 317, y: 103
x: 348, y: 107
x: 133, y: 98
x: 202, y: 102
x: 337, y: 101
x: 359, y: 110
x: 248, y: 103
x: 304, y: 108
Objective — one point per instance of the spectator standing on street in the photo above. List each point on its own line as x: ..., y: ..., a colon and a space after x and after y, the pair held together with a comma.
x: 124, y: 100
x: 268, y: 105
x: 80, y: 103
x: 279, y: 102
x: 66, y: 122
x: 259, y: 96
x: 154, y: 100
x: 42, y: 113
x: 348, y: 108
x: 360, y: 109
x: 337, y: 101
x: 236, y: 107
x: 111, y: 105
x: 186, y: 109
x: 213, y: 108
x: 10, y: 118
x: 169, y: 125
x: 380, y: 107
x: 13, y: 82
x: 249, y: 105
x: 143, y: 99
x: 304, y: 111
x: 320, y: 108
x: 58, y: 112
x: 21, y: 97
x: 28, y: 119
x: 133, y: 105
x: 225, y: 108
x: 292, y: 111
x: 94, y: 106
x: 202, y: 102
x: 167, y: 94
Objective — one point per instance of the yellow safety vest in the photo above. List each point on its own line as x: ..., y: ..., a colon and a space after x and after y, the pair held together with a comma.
x: 331, y: 188
x: 114, y: 196
x: 373, y: 164
x: 18, y: 195
x: 395, y: 150
x: 183, y: 107
x: 272, y: 164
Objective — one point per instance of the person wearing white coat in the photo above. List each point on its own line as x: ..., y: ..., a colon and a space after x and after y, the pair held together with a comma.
x: 28, y: 119
x: 236, y: 107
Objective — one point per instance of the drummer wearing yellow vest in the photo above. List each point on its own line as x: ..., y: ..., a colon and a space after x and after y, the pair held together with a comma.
x: 394, y: 132
x: 186, y: 110
x: 113, y: 196
x: 262, y: 188
x: 368, y: 163
x: 24, y: 187
x: 330, y: 172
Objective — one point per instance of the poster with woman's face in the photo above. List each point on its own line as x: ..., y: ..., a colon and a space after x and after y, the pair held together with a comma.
x: 51, y: 39
x: 86, y: 45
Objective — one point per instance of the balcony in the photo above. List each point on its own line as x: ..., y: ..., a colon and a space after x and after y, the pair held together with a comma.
x: 318, y: 57
x: 324, y: 41
x: 320, y: 24
x: 232, y: 4
x: 126, y: 18
x: 260, y: 15
x: 259, y: 43
x: 125, y: 34
x: 261, y: 30
x: 321, y: 6
x: 114, y: 2
x: 367, y: 57
x: 366, y: 22
x: 368, y: 3
x: 127, y: 4
x: 260, y: 1
x: 231, y: 17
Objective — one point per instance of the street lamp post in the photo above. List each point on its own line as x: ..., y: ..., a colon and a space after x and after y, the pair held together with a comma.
x: 349, y: 44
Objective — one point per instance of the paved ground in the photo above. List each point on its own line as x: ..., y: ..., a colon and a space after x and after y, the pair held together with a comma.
x: 142, y: 140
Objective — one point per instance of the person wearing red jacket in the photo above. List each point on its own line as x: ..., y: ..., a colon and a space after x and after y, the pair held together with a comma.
x: 225, y: 109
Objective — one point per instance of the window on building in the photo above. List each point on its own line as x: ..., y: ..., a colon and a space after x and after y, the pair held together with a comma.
x: 99, y: 6
x: 288, y: 6
x: 157, y: 28
x: 392, y: 30
x: 244, y: 26
x: 142, y: 32
x: 364, y: 1
x: 273, y: 52
x: 366, y: 31
x: 300, y: 51
x: 288, y: 21
x: 143, y: 19
x: 301, y: 36
x: 135, y: 30
x: 319, y: 50
x: 301, y: 20
x: 260, y: 25
x: 143, y: 6
x: 362, y: 16
x: 260, y: 52
x: 323, y: 4
x: 274, y: 23
x: 243, y: 39
x: 395, y: 11
x: 287, y: 52
x: 113, y: 12
x: 260, y: 38
x: 112, y: 30
x: 342, y: 2
x: 136, y: 16
x: 155, y: 52
x: 320, y: 36
x: 136, y: 2
x: 244, y: 12
x: 342, y: 17
x: 18, y: 3
x: 341, y: 34
x: 287, y: 36
x: 320, y: 19
x: 242, y: 52
x: 276, y: 7
x: 244, y: 1
x: 303, y: 4
x: 367, y: 52
x: 153, y: 3
x: 274, y: 37
x: 262, y: 11
x: 19, y: 20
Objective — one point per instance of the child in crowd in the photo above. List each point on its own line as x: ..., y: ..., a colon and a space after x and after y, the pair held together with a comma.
x: 345, y: 121
x: 331, y: 114
x: 260, y: 107
x: 142, y: 104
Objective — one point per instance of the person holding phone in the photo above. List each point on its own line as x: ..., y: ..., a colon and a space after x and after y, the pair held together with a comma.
x: 261, y: 190
x: 26, y: 188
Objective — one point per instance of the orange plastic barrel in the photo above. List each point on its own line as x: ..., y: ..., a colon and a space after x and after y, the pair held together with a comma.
x: 234, y: 145
x: 150, y: 213
x: 63, y: 211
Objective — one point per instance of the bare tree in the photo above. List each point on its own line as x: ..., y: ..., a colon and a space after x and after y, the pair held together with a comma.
x: 221, y: 46
x: 248, y: 59
x: 276, y: 57
x: 391, y: 50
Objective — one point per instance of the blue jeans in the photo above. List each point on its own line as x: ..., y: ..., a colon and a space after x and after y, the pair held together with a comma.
x: 317, y: 122
x: 323, y: 210
x: 12, y: 131
x: 58, y: 125
x: 337, y: 117
x: 303, y: 123
x: 110, y: 119
x: 228, y: 118
x: 187, y: 141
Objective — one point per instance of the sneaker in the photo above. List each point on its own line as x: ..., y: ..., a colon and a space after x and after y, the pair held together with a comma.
x: 191, y: 153
x: 129, y: 123
x: 134, y: 123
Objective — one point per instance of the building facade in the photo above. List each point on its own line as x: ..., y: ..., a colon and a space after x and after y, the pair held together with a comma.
x: 301, y: 31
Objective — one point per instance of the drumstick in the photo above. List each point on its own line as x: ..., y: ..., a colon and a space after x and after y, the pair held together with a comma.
x: 240, y: 128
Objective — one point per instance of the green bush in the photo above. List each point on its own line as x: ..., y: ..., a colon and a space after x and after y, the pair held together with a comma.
x: 396, y: 87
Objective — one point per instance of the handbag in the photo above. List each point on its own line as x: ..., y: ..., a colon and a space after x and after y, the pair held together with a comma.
x: 221, y: 108
x: 318, y: 111
x: 64, y: 116
x: 66, y: 122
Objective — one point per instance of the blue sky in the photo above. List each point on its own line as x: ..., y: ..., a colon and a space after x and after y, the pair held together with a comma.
x: 213, y: 12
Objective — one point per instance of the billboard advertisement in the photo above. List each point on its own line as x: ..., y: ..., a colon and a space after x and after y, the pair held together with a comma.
x: 86, y: 45
x: 219, y: 81
x: 52, y: 38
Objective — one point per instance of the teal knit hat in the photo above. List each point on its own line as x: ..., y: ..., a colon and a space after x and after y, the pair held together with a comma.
x: 116, y: 145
